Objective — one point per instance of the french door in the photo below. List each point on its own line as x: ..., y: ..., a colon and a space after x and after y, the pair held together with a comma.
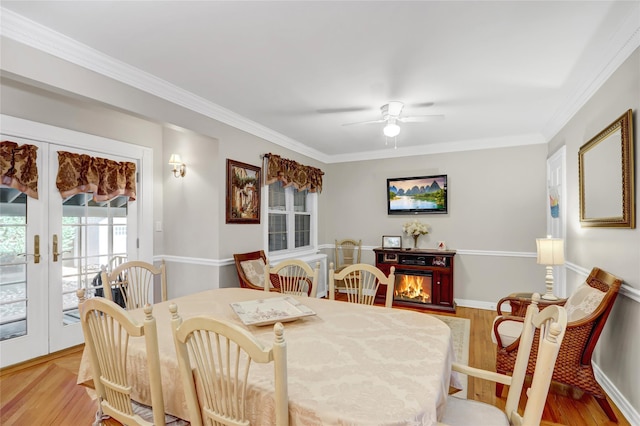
x: 23, y: 272
x: 50, y: 248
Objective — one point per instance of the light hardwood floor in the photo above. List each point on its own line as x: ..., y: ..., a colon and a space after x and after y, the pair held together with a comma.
x: 44, y: 392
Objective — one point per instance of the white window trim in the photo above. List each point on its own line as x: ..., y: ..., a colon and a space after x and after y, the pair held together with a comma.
x: 312, y: 207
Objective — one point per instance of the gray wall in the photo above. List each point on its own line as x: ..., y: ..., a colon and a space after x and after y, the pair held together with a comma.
x: 497, y: 205
x: 614, y: 250
x: 497, y: 202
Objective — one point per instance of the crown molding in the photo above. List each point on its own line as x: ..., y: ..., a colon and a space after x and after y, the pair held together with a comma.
x: 37, y: 36
x: 621, y: 45
x: 443, y: 147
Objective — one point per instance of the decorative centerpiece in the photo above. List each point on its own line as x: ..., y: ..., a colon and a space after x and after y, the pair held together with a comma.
x: 415, y: 228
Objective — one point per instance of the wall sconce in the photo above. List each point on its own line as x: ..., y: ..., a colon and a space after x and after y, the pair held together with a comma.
x: 179, y: 168
x: 550, y: 252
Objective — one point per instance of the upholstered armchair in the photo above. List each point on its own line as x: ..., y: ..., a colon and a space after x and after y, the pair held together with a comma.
x: 251, y: 267
x: 587, y: 310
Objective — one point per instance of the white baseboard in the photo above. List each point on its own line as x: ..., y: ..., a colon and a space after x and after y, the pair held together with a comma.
x: 479, y: 304
x: 630, y: 413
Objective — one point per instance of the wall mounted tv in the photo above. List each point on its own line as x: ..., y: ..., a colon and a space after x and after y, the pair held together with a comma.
x: 417, y: 195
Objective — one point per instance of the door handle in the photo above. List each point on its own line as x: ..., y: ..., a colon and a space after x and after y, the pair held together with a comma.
x: 55, y: 248
x: 36, y: 250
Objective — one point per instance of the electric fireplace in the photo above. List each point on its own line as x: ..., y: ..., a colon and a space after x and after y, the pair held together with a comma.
x: 413, y: 286
x: 423, y: 277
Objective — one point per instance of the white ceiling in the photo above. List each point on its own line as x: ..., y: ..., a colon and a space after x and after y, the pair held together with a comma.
x: 503, y: 73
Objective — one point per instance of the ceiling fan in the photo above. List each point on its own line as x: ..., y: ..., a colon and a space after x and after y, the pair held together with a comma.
x: 391, y: 115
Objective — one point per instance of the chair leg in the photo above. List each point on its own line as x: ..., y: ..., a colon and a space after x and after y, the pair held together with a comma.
x: 606, y: 407
x: 100, y: 416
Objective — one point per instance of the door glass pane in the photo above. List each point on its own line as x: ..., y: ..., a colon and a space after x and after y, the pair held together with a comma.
x: 92, y: 234
x: 13, y: 270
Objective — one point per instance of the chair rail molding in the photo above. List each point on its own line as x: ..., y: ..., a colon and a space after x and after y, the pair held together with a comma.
x: 625, y: 289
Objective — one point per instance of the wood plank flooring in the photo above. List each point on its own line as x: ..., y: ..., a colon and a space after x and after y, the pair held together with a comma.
x: 44, y: 392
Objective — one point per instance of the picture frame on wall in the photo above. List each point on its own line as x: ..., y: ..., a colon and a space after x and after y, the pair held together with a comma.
x: 391, y: 242
x: 243, y: 193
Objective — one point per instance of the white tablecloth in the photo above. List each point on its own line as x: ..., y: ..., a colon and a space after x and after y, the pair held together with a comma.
x: 349, y: 364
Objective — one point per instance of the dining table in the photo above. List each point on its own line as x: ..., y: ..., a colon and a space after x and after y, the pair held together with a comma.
x: 347, y: 364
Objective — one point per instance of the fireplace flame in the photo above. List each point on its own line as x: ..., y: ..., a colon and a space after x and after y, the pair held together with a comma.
x: 411, y: 287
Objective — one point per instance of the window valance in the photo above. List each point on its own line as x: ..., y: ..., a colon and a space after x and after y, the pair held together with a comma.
x: 78, y: 173
x: 18, y: 167
x: 291, y: 173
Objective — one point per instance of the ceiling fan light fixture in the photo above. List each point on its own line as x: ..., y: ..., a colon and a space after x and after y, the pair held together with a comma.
x: 391, y: 130
x: 394, y: 108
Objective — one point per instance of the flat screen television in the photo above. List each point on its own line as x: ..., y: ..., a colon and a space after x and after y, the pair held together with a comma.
x: 417, y: 195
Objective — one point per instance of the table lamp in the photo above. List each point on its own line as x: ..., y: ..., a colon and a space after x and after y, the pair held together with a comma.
x: 550, y: 253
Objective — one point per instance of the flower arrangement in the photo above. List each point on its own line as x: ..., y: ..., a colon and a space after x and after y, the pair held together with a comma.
x: 415, y: 228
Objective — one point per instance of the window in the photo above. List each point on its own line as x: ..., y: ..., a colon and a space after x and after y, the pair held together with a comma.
x: 291, y: 218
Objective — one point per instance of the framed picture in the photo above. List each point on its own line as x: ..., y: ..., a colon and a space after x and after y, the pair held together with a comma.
x: 243, y: 193
x: 391, y: 242
x: 439, y: 261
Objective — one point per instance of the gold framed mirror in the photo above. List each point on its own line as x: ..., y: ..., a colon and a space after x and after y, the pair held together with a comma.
x: 605, y: 168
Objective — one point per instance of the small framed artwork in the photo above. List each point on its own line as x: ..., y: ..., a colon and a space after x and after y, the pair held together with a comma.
x: 390, y: 257
x: 243, y: 193
x: 391, y: 242
x: 439, y: 261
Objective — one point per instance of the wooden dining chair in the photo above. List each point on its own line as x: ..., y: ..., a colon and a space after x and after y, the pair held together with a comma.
x: 135, y: 281
x: 346, y: 252
x: 293, y: 276
x: 107, y: 328
x: 214, y: 358
x: 361, y: 283
x: 551, y: 323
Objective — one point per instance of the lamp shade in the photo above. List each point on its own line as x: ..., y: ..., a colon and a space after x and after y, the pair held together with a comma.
x: 175, y: 160
x: 550, y: 251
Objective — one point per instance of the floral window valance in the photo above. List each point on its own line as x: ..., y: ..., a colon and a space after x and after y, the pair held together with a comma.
x: 78, y: 173
x: 18, y: 168
x: 291, y: 173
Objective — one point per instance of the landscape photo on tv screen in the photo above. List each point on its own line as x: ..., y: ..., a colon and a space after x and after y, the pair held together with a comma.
x: 424, y: 194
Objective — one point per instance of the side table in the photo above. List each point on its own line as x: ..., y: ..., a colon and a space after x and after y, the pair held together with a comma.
x: 520, y: 301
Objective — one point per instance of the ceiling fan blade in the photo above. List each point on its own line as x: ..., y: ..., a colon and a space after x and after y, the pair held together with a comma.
x: 365, y: 122
x: 421, y: 105
x: 339, y: 110
x: 421, y: 118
